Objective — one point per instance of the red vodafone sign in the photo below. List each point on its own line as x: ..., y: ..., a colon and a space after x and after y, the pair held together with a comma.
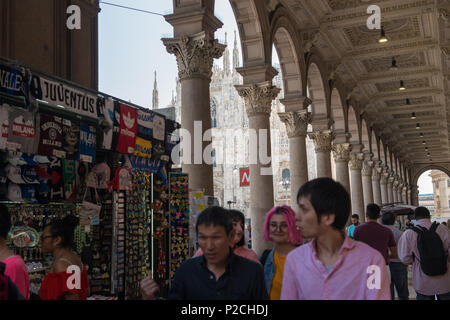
x: 244, y: 177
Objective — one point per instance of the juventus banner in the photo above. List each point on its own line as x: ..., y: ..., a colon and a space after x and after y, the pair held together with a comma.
x: 61, y: 94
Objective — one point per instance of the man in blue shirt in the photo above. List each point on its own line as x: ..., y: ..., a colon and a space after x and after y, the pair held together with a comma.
x: 218, y: 274
x: 355, y: 223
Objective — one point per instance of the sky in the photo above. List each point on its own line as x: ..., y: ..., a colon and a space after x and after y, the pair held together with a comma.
x: 131, y: 50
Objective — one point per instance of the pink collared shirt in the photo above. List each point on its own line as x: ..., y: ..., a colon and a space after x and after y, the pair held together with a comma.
x: 407, y: 246
x: 305, y: 276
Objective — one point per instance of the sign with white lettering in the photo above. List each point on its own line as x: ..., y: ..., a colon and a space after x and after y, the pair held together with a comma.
x: 56, y: 93
x: 244, y: 177
x: 12, y: 82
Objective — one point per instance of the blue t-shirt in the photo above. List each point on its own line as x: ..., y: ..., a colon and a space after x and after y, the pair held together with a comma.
x: 350, y: 230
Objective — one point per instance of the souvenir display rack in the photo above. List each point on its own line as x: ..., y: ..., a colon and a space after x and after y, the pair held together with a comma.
x: 179, y: 220
x: 137, y: 239
x: 118, y: 254
x: 160, y: 233
x: 98, y: 255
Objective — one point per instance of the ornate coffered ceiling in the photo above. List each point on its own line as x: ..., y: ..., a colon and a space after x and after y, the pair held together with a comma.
x: 419, y: 39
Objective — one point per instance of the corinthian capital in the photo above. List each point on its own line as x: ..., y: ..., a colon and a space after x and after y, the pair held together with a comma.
x: 194, y: 54
x: 356, y: 161
x: 322, y: 140
x: 341, y: 152
x: 258, y: 97
x: 296, y: 122
x: 367, y: 168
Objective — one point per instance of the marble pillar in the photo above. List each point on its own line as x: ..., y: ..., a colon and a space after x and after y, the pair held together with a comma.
x: 383, y: 187
x: 296, y: 127
x: 341, y: 153
x: 258, y: 103
x: 322, y: 143
x: 376, y: 183
x: 366, y: 173
x: 356, y: 163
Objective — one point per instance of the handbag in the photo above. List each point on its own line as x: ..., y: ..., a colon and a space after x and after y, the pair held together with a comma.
x: 90, y: 212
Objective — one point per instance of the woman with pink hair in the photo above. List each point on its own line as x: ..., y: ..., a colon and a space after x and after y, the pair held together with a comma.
x: 279, y: 228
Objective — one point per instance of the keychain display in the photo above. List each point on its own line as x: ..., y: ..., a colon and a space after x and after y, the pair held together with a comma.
x: 101, y: 246
x: 160, y: 235
x: 138, y: 227
x: 118, y: 261
x: 179, y: 220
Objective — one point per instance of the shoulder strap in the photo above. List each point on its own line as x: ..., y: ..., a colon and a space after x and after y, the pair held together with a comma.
x: 434, y: 226
x: 417, y: 229
x: 264, y: 256
x: 65, y: 260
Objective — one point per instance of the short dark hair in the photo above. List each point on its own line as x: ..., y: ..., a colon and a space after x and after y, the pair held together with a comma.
x: 216, y: 216
x: 421, y: 213
x: 327, y: 196
x: 239, y: 217
x: 388, y: 218
x: 5, y: 221
x: 64, y: 228
x: 373, y: 211
x: 355, y: 216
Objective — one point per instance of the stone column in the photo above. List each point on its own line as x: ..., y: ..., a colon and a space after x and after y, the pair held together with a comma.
x: 414, y: 195
x: 341, y: 154
x: 376, y: 183
x: 367, y: 182
x: 258, y: 102
x: 394, y: 190
x: 389, y: 188
x: 356, y: 163
x: 405, y: 194
x: 383, y: 186
x: 195, y: 53
x: 408, y: 195
x: 296, y: 126
x: 444, y: 194
x: 322, y: 142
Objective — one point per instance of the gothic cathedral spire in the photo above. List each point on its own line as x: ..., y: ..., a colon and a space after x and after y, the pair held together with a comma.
x: 155, y: 101
x: 226, y: 58
x: 236, y: 62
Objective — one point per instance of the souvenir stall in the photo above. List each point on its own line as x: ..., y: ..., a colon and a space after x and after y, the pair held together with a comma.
x: 67, y: 150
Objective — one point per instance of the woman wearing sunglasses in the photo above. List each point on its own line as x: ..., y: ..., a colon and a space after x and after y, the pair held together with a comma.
x: 68, y: 278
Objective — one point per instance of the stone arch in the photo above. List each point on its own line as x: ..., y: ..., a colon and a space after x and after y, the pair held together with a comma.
x: 382, y: 149
x: 365, y: 137
x: 353, y: 126
x: 419, y: 170
x: 284, y: 38
x: 254, y: 32
x: 337, y: 112
x: 316, y: 92
x: 374, y: 145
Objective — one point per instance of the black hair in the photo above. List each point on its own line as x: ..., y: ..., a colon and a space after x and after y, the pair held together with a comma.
x: 421, y: 213
x: 5, y: 221
x: 355, y: 216
x: 373, y: 211
x: 327, y: 196
x: 64, y: 228
x: 238, y: 217
x: 388, y: 218
x: 216, y: 216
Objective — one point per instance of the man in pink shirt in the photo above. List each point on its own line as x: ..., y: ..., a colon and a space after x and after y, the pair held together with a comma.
x: 332, y: 266
x: 427, y: 287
